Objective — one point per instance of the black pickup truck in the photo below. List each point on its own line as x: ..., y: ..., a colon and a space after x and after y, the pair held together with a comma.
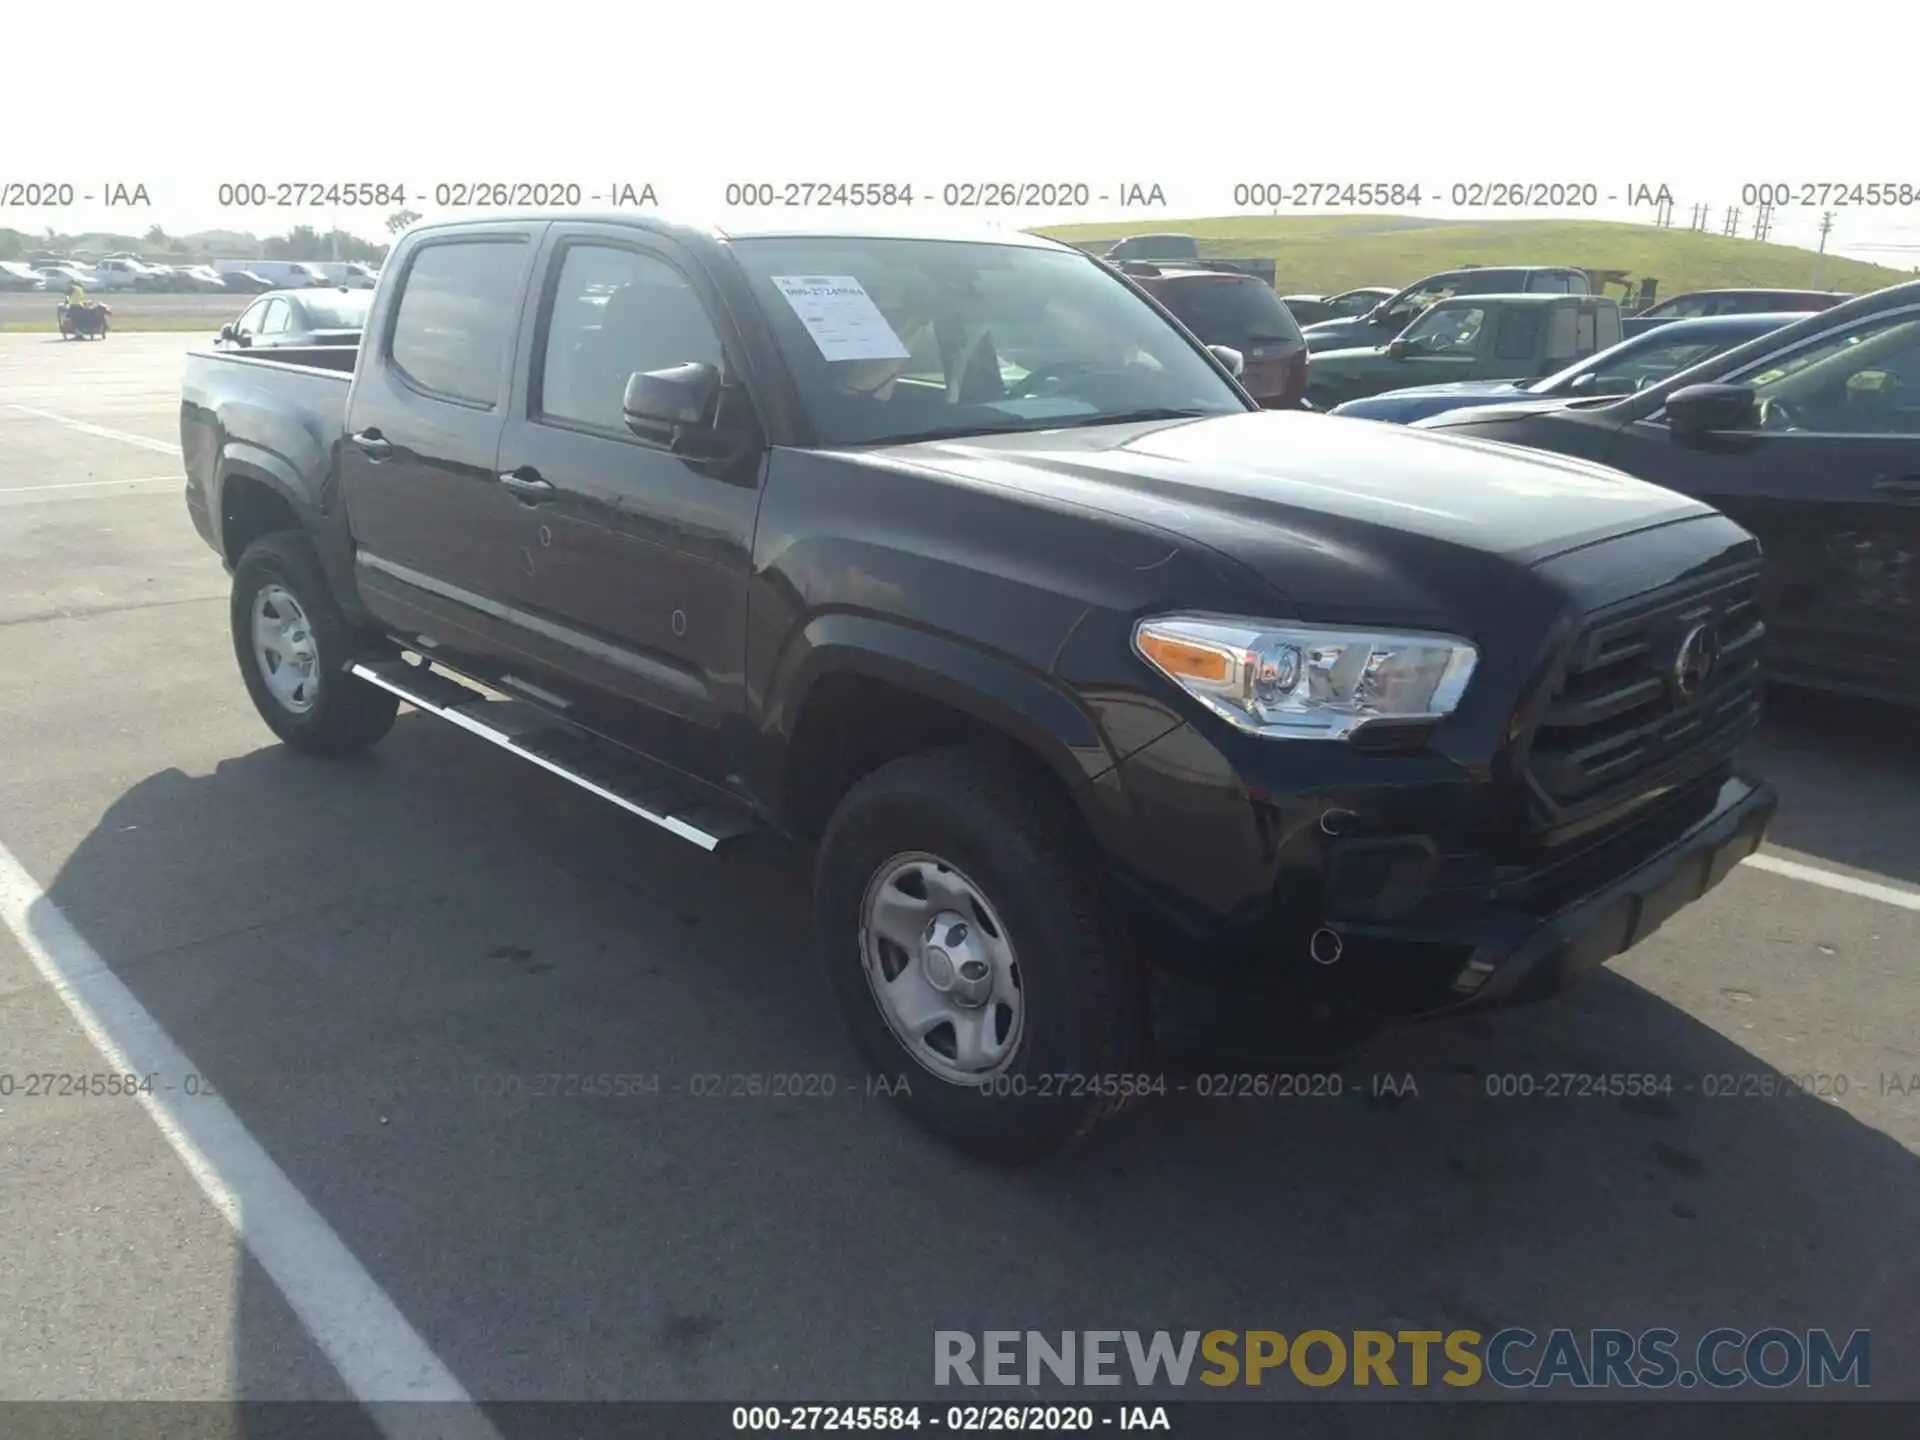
x: 1110, y: 704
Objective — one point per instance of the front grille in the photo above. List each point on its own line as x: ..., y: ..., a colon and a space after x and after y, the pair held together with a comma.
x: 1624, y: 719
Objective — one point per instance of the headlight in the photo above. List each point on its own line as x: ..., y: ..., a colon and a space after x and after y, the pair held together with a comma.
x: 1297, y: 681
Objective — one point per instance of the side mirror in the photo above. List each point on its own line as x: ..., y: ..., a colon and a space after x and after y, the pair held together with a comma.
x: 1399, y: 349
x: 1235, y: 362
x: 1698, y: 409
x: 672, y: 400
x: 226, y: 332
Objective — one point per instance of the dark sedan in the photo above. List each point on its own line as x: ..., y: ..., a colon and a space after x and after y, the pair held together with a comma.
x: 299, y: 317
x: 1618, y: 370
x: 1808, y: 436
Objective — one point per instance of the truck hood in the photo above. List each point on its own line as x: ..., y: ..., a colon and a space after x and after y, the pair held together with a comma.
x: 1382, y: 523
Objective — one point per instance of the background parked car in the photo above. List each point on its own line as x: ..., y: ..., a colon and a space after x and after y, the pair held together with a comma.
x: 1630, y: 366
x: 1697, y: 303
x: 59, y: 277
x: 1242, y: 313
x: 299, y: 317
x: 199, y: 279
x: 1391, y: 316
x: 117, y: 272
x: 1312, y: 309
x: 353, y: 274
x: 17, y: 275
x: 1472, y: 337
x: 1808, y: 436
x: 245, y: 282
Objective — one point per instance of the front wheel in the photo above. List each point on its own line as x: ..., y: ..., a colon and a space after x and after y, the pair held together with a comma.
x: 963, y: 923
x: 294, y: 645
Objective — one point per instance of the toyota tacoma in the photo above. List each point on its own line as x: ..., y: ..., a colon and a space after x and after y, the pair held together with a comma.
x: 1114, y: 711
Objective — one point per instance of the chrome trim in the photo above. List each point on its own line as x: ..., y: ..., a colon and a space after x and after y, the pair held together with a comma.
x: 494, y: 737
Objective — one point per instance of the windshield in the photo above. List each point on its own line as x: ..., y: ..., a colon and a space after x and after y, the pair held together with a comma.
x: 900, y: 339
x: 337, y: 310
x: 1446, y: 327
x: 1635, y: 364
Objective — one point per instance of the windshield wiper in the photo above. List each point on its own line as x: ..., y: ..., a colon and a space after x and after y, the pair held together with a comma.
x: 1129, y: 417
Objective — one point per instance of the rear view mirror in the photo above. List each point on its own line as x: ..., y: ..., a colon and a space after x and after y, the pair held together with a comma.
x: 1398, y: 348
x: 1235, y: 362
x: 669, y: 400
x: 226, y: 332
x: 1697, y: 409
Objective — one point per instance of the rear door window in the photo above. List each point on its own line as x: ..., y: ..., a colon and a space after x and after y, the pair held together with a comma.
x: 455, y: 321
x: 1519, y: 334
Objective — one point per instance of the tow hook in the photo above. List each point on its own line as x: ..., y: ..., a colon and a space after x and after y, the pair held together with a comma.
x: 1325, y: 946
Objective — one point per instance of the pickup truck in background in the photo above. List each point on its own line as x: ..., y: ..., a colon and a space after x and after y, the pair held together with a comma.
x: 1696, y: 304
x: 1630, y: 366
x: 1115, y: 711
x: 1468, y: 338
x: 1394, y: 314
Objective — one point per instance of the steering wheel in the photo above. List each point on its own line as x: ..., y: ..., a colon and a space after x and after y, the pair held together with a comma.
x: 1046, y: 379
x: 1774, y: 415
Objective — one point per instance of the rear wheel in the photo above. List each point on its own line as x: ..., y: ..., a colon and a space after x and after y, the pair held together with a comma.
x: 294, y: 645
x: 963, y: 924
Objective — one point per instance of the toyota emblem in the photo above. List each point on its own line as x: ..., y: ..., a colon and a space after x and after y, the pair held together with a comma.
x: 1693, y: 666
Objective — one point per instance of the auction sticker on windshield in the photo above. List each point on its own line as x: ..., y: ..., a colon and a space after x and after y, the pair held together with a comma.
x: 841, y: 317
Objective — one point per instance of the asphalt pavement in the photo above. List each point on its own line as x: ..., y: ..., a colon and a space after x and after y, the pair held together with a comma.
x: 362, y: 973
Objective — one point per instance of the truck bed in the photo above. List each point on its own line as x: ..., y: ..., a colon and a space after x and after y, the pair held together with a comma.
x: 278, y: 413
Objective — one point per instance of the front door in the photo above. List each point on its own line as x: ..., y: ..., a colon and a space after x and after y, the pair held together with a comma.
x: 639, y: 601
x: 440, y: 542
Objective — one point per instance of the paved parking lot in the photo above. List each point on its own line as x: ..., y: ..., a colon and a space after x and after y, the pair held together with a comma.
x: 374, y: 961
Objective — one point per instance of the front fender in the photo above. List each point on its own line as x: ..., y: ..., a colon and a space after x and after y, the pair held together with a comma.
x: 1026, y: 705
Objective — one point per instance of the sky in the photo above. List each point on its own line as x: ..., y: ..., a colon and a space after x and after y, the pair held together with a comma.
x: 693, y: 99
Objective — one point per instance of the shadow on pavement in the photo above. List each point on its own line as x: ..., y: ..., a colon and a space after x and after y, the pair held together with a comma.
x: 378, y: 962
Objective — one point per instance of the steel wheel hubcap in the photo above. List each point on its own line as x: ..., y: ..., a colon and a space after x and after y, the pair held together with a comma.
x: 941, y: 968
x: 284, y: 649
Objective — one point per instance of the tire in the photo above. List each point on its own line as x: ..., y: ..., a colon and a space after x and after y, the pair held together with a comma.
x: 974, y: 818
x: 334, y: 713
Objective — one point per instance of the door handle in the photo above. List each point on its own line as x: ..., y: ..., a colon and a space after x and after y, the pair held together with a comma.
x: 1905, y: 487
x: 527, y: 484
x: 373, y: 444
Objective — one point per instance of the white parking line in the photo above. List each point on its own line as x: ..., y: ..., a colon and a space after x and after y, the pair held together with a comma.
x: 1834, y: 880
x: 145, y: 442
x: 378, y: 1354
x: 6, y: 490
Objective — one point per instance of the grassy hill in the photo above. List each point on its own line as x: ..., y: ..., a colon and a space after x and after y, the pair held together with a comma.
x: 1325, y: 254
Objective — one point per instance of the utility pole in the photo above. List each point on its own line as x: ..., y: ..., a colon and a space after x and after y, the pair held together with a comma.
x: 1663, y: 215
x: 1732, y: 227
x: 1820, y: 256
x: 1762, y: 222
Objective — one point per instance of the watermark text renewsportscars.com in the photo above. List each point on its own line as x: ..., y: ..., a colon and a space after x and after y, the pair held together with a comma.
x: 1773, y: 1358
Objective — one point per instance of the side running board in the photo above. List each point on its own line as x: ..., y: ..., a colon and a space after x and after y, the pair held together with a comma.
x: 627, y: 781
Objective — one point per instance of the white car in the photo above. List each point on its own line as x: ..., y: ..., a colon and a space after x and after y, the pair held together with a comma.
x: 116, y: 274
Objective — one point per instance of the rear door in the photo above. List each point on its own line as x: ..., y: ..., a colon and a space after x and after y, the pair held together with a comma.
x: 640, y: 596
x: 1830, y: 482
x: 440, y: 542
